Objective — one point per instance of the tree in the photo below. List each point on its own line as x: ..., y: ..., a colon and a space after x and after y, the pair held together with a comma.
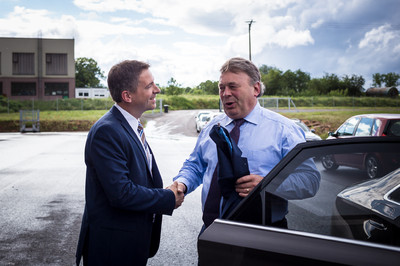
x: 173, y: 88
x: 87, y: 73
x: 294, y: 82
x: 329, y: 83
x: 377, y: 80
x: 272, y: 81
x: 302, y: 80
x: 353, y: 84
x: 209, y: 87
x: 391, y: 79
x: 264, y: 69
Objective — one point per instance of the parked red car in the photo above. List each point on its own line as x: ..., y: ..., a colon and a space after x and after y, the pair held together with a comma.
x: 369, y: 125
x: 363, y: 126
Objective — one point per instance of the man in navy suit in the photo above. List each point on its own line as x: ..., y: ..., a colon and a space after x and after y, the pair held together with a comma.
x: 125, y: 200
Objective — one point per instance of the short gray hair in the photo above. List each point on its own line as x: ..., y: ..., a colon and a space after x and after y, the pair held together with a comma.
x: 238, y: 64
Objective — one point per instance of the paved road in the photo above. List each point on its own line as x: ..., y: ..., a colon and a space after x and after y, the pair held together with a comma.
x: 42, y: 178
x: 41, y: 197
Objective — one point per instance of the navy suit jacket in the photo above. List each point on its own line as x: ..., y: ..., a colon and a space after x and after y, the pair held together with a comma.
x: 121, y: 223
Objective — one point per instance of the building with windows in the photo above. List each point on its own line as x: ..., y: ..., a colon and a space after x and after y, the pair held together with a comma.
x: 36, y: 68
x: 91, y: 93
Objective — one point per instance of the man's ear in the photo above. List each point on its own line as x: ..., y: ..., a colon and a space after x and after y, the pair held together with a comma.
x: 257, y: 88
x: 126, y: 96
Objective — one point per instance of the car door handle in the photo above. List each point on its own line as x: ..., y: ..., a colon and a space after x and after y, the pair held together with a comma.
x: 370, y: 226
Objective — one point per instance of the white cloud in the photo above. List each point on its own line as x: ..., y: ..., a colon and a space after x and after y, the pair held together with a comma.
x: 109, y: 5
x: 379, y: 38
x: 290, y: 37
x: 189, y: 40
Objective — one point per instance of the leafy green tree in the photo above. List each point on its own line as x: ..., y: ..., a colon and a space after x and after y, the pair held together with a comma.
x: 87, y: 73
x: 391, y: 79
x: 330, y: 82
x: 264, y: 69
x: 294, y: 83
x: 353, y: 85
x: 302, y: 80
x: 288, y: 82
x: 272, y: 81
x: 377, y: 80
x: 209, y: 87
x: 173, y: 88
x: 314, y: 87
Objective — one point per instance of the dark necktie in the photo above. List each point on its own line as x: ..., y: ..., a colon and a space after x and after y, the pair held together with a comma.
x: 211, y: 206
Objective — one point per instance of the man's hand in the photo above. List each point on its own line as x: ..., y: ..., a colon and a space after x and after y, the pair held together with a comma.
x: 182, y: 187
x: 246, y: 183
x: 179, y: 195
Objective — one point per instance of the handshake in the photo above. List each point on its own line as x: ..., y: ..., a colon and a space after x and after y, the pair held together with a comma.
x: 179, y: 192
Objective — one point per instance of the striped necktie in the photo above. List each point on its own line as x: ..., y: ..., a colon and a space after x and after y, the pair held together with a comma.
x: 145, y: 145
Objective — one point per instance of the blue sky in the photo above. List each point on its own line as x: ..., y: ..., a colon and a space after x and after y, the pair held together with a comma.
x: 190, y: 40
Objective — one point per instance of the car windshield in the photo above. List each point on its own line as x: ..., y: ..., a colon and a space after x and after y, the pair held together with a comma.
x: 347, y: 129
x: 349, y: 190
x: 205, y: 118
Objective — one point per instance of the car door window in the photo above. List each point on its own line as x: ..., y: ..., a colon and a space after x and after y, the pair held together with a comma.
x: 341, y: 201
x: 347, y: 129
x: 364, y: 128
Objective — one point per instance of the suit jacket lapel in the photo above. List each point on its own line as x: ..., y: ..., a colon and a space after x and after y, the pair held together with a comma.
x: 129, y: 129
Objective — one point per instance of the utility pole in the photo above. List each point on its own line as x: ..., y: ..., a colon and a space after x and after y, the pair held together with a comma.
x: 250, y: 22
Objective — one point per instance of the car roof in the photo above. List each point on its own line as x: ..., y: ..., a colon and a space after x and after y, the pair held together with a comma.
x: 385, y: 116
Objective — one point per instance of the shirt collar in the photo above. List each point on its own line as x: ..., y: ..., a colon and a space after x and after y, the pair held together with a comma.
x: 132, y: 121
x: 253, y: 117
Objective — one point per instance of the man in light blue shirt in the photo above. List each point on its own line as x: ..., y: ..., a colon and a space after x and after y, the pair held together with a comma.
x: 265, y: 138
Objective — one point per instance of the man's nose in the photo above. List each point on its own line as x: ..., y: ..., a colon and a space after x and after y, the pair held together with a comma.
x: 156, y: 89
x: 226, y: 92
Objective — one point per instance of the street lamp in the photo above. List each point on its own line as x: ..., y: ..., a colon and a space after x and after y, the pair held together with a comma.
x: 250, y: 22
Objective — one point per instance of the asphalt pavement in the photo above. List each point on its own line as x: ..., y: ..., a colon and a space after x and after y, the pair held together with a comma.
x: 42, y: 179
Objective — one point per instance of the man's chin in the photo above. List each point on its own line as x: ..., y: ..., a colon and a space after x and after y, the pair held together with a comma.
x: 231, y: 113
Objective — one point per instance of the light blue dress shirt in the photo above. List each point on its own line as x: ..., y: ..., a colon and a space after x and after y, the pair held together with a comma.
x: 265, y: 138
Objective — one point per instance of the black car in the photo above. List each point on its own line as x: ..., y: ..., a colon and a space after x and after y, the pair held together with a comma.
x: 371, y: 210
x: 316, y: 230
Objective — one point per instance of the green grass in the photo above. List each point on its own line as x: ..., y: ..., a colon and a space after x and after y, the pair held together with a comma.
x: 321, y: 121
x: 60, y: 115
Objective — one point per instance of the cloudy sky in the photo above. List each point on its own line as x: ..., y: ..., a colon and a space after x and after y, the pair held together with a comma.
x: 189, y: 40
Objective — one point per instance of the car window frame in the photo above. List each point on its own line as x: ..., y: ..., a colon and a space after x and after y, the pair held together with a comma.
x: 284, y: 246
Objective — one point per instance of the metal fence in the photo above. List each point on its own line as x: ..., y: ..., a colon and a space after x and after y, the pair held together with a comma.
x: 12, y: 106
x: 277, y: 103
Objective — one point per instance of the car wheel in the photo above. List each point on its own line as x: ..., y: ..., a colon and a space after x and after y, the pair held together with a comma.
x: 329, y: 163
x: 372, y: 167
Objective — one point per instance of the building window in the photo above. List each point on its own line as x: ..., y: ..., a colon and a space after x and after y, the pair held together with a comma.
x: 1, y: 88
x: 53, y: 89
x: 23, y: 63
x: 83, y: 93
x: 56, y: 64
x: 23, y: 88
